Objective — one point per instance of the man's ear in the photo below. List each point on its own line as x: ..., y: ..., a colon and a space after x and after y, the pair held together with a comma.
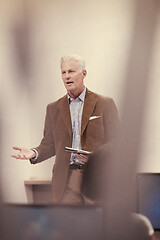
x: 84, y: 73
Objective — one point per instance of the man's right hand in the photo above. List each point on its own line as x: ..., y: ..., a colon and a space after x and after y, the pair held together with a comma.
x: 24, y: 153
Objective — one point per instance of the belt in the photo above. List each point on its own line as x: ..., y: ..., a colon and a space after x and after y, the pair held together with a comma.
x: 76, y: 166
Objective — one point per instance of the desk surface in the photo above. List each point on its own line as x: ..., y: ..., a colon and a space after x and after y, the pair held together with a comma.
x: 37, y: 182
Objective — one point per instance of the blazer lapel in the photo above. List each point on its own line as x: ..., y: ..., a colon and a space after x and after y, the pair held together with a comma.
x: 65, y: 113
x: 89, y: 105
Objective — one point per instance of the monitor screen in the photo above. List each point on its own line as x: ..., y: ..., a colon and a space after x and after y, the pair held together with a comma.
x: 32, y: 222
x: 148, y: 200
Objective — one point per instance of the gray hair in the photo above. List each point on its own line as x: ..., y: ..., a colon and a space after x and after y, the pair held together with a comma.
x: 80, y: 61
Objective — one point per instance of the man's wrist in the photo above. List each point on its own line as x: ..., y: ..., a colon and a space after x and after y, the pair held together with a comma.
x: 34, y: 159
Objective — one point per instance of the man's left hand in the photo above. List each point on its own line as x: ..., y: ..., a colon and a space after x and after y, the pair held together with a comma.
x: 82, y: 157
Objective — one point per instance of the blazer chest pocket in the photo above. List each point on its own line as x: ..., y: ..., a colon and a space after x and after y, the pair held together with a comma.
x: 95, y: 126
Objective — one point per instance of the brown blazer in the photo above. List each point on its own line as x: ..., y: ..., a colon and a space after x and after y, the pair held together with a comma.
x: 58, y: 134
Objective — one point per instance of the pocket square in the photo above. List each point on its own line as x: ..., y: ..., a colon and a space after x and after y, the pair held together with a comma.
x: 94, y: 117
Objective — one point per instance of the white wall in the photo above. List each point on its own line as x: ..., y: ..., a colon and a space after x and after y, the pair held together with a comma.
x: 100, y: 31
x: 151, y: 134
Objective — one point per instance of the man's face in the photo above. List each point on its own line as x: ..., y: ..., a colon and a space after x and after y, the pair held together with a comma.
x: 72, y: 76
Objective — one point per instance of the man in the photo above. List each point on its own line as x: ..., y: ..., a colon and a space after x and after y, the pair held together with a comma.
x: 81, y: 119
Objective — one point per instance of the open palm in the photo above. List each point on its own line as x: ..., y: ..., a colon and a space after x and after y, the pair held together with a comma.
x: 24, y: 153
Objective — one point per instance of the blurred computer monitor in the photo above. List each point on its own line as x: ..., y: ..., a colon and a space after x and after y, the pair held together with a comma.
x: 148, y: 197
x: 30, y: 222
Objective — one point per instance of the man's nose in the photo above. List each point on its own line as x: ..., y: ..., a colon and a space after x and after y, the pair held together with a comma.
x: 67, y: 75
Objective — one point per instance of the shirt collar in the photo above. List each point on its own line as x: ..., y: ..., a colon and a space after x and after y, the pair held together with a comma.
x: 81, y: 96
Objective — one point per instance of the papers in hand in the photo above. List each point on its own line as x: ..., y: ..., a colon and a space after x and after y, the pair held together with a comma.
x: 78, y: 151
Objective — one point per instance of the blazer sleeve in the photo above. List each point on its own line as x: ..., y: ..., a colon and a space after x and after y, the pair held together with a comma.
x: 46, y: 149
x: 111, y: 124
